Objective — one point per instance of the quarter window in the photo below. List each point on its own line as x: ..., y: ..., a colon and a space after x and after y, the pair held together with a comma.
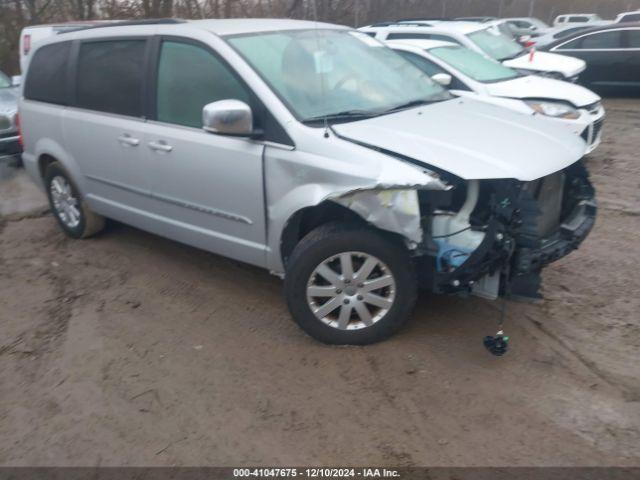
x: 567, y: 32
x: 189, y: 77
x: 47, y: 74
x: 572, y: 44
x: 110, y: 76
x: 427, y: 66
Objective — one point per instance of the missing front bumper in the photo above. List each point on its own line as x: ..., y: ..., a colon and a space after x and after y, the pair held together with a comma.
x: 532, y: 225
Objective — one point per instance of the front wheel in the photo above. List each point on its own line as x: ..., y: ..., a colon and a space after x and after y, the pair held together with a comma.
x: 350, y: 284
x: 68, y: 206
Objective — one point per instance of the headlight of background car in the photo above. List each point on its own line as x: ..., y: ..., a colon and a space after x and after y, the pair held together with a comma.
x: 554, y: 109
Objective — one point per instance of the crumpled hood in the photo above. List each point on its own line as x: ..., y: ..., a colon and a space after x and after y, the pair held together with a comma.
x: 533, y: 86
x: 471, y: 139
x: 548, y: 62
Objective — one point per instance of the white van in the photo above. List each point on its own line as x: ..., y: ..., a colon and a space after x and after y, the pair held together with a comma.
x: 308, y: 149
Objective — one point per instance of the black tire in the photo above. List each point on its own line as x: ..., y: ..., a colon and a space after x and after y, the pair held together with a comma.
x: 89, y: 222
x: 332, y: 239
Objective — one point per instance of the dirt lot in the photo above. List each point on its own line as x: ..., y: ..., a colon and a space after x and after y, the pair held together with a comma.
x: 128, y: 349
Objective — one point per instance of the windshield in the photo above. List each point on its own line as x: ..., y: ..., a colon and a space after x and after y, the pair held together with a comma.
x: 335, y: 73
x: 496, y: 44
x: 474, y: 65
x: 4, y: 81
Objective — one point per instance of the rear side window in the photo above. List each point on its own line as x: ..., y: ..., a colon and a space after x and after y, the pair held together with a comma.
x: 612, y: 39
x: 110, y: 76
x: 47, y: 74
x: 634, y: 17
x: 189, y: 77
x: 633, y: 38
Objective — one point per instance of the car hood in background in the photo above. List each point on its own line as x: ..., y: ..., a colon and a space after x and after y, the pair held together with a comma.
x: 9, y: 99
x: 471, y: 139
x: 548, y: 62
x: 532, y: 86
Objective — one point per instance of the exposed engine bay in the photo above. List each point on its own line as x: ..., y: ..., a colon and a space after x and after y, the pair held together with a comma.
x: 493, y: 237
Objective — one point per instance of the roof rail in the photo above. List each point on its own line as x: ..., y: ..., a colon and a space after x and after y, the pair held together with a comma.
x: 126, y: 23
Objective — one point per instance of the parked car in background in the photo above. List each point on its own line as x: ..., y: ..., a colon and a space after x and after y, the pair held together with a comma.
x: 487, y: 40
x: 35, y: 33
x: 469, y: 74
x: 525, y: 25
x: 572, y: 18
x: 9, y: 139
x: 612, y: 55
x: 308, y: 149
x: 628, y: 17
x: 545, y: 37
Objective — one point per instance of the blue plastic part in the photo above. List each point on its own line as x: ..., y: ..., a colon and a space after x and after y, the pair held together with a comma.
x: 450, y: 255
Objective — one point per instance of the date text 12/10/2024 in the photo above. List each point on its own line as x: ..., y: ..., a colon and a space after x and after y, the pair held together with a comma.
x: 315, y: 472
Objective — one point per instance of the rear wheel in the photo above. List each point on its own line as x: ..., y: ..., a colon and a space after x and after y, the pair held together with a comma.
x: 71, y: 211
x: 350, y: 284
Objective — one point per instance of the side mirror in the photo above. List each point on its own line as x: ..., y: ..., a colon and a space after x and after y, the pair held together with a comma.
x: 228, y: 117
x: 443, y: 79
x: 16, y: 80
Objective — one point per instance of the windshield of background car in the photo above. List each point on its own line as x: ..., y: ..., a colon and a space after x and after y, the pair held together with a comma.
x: 4, y: 81
x: 495, y: 44
x: 328, y: 72
x: 474, y: 65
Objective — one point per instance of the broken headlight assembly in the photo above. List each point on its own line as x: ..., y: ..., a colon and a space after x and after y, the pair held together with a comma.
x: 554, y: 109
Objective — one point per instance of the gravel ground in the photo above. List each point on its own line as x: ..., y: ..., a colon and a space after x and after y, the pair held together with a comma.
x: 129, y: 349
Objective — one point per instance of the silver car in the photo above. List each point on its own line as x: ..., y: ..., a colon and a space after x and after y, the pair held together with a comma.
x: 308, y: 149
x: 9, y: 139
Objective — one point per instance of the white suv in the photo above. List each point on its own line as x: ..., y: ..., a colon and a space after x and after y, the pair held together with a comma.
x: 467, y: 73
x: 307, y: 149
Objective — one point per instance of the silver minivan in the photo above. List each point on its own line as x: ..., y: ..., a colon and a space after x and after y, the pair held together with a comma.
x: 308, y: 149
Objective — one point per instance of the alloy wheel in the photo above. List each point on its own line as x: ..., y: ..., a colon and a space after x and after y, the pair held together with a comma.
x: 64, y: 202
x: 351, y: 290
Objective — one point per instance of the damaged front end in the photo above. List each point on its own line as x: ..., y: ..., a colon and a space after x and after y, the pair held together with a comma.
x: 493, y: 237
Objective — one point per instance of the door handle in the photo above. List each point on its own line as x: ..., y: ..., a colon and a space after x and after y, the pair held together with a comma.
x: 127, y: 139
x: 160, y: 146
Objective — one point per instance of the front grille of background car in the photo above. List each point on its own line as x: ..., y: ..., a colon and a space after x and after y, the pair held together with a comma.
x: 597, y: 126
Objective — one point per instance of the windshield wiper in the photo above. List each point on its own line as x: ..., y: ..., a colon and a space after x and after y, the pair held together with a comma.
x: 342, y: 116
